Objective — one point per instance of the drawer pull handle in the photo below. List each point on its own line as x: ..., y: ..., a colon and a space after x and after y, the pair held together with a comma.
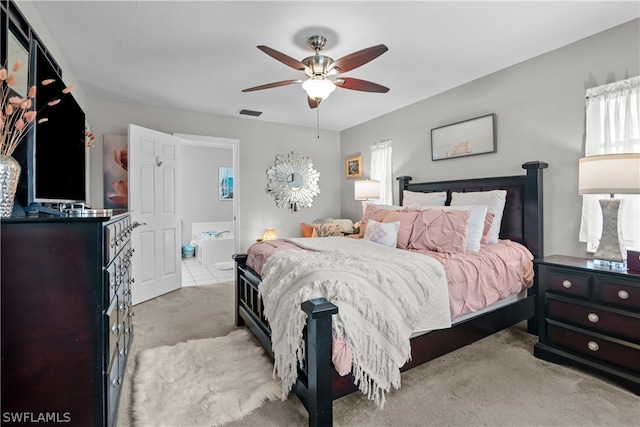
x: 593, y: 346
x: 623, y: 294
x: 593, y: 318
x: 566, y: 283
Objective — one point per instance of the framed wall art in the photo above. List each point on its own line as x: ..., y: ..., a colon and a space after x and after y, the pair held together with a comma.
x: 115, y: 165
x: 225, y: 183
x: 466, y: 138
x: 353, y: 167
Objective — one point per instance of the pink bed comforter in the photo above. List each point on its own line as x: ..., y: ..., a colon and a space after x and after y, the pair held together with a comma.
x: 476, y: 280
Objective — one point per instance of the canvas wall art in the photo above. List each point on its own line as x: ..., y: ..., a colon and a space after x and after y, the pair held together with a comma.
x: 116, y: 185
x: 466, y: 138
x: 225, y: 183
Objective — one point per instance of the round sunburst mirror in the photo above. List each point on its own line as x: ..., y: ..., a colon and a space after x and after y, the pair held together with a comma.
x: 293, y: 182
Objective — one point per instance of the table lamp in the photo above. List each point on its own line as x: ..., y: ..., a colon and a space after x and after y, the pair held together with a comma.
x: 269, y: 234
x: 613, y: 174
x: 366, y: 190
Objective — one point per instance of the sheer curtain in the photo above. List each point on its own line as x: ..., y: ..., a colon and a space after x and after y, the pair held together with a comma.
x: 612, y: 126
x: 382, y: 170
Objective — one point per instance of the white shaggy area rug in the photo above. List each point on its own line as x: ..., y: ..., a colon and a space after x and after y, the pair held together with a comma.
x: 206, y: 382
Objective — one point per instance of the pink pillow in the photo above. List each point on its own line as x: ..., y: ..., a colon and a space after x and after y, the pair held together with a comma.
x: 406, y: 220
x: 372, y: 212
x: 488, y: 220
x: 440, y: 231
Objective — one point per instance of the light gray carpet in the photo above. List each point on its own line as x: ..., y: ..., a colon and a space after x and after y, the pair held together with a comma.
x: 494, y: 382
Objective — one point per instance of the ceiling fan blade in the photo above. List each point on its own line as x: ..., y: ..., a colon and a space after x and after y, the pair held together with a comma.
x: 285, y: 59
x: 361, y: 85
x: 270, y: 85
x: 361, y: 57
x: 312, y: 102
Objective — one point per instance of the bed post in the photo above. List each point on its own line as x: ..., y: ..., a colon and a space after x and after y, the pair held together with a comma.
x: 240, y: 260
x: 533, y: 223
x: 319, y: 367
x: 403, y: 181
x: 533, y: 209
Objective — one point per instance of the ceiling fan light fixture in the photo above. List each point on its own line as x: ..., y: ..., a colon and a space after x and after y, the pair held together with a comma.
x: 318, y: 88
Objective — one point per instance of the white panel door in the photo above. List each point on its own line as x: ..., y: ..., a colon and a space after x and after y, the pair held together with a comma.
x: 153, y: 201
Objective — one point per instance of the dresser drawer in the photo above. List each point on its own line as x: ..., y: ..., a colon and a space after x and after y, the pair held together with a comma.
x: 624, y: 325
x: 611, y: 291
x: 111, y: 243
x: 566, y: 282
x: 114, y: 384
x: 625, y: 355
x: 113, y: 277
x: 115, y: 326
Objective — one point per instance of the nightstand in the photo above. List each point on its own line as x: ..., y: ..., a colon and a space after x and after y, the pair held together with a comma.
x: 589, y: 317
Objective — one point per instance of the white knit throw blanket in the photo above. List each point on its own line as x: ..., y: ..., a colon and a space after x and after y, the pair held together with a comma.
x: 383, y: 294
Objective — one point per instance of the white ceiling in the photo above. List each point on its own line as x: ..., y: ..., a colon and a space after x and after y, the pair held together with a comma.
x: 198, y: 56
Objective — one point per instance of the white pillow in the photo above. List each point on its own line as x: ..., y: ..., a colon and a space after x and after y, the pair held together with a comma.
x: 475, y: 224
x: 494, y: 200
x: 385, y: 233
x: 413, y: 198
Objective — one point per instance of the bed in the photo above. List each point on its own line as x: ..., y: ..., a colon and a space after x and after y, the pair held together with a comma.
x: 318, y: 384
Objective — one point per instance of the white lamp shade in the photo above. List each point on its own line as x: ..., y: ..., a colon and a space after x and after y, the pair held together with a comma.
x: 367, y: 190
x: 318, y: 88
x: 269, y: 234
x: 609, y: 173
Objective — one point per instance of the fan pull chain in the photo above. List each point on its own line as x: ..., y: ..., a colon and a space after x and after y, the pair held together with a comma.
x: 318, y: 120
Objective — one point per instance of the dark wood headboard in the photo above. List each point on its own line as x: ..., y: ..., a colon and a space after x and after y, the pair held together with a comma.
x: 522, y: 220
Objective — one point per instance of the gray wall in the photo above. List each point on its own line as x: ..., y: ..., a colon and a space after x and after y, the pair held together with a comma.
x: 259, y: 143
x: 199, y: 186
x: 540, y: 109
x: 539, y: 105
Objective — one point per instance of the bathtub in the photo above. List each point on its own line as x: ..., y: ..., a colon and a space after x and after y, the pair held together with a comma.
x: 213, y: 242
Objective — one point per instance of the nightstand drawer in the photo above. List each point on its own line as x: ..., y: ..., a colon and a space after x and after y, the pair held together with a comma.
x: 567, y: 282
x: 616, y: 293
x: 616, y: 352
x: 596, y: 318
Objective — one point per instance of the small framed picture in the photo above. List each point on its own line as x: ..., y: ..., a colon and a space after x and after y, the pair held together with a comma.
x: 225, y: 183
x: 353, y: 167
x: 466, y: 138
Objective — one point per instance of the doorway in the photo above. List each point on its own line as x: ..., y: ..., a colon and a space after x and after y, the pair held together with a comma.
x: 209, y: 194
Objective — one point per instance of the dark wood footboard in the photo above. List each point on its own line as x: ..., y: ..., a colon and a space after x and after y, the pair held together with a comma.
x: 314, y: 386
x: 318, y: 383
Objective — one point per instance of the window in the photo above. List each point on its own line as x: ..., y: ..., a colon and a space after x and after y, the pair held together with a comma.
x: 382, y: 170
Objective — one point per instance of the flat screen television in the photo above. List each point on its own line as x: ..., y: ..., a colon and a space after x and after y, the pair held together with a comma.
x: 53, y: 158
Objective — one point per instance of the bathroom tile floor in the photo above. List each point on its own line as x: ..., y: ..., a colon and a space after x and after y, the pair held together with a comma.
x: 194, y: 273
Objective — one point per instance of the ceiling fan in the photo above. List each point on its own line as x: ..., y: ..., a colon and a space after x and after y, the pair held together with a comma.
x: 321, y: 71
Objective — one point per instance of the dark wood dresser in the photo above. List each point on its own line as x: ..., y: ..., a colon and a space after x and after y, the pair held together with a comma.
x: 66, y: 318
x: 589, y: 317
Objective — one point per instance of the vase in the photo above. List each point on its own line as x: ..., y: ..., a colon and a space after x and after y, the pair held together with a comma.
x: 9, y: 176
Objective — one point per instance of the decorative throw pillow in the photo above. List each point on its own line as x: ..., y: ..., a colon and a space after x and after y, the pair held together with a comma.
x: 373, y: 212
x: 385, y: 233
x: 307, y: 230
x: 414, y: 198
x: 494, y: 200
x: 406, y: 220
x: 328, y: 229
x: 488, y: 220
x: 475, y: 225
x: 439, y: 230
